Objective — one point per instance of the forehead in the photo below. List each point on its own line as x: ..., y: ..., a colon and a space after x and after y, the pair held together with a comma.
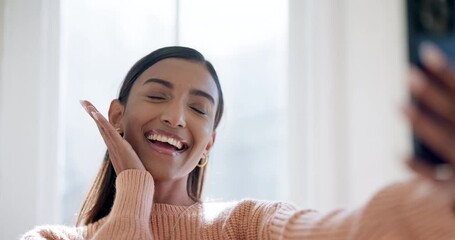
x: 183, y: 74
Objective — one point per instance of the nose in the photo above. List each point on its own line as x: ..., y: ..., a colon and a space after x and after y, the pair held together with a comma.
x: 174, y: 117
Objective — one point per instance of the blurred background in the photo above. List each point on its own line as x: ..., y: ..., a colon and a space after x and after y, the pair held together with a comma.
x: 312, y: 90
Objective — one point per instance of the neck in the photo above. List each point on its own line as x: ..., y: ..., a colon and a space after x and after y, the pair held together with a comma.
x: 172, y: 192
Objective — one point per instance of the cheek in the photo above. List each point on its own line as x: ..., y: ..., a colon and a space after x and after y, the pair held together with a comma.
x: 204, y: 137
x: 133, y: 121
x: 137, y: 113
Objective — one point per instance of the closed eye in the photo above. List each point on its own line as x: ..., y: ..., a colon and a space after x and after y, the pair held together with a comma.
x: 156, y: 97
x: 199, y: 111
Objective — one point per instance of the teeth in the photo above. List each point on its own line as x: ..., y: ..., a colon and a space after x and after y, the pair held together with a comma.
x: 174, y: 142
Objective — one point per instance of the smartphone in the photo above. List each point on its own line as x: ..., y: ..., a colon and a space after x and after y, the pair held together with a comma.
x: 429, y: 21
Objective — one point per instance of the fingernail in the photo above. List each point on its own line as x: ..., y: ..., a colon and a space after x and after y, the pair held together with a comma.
x: 94, y: 115
x: 417, y: 83
x: 404, y: 109
x: 83, y: 105
x: 407, y: 110
x: 431, y: 55
x: 91, y: 109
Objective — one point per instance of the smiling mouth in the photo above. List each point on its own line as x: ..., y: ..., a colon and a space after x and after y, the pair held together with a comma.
x: 166, y: 144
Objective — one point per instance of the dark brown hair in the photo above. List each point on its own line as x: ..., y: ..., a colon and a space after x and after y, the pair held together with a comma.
x: 100, y: 198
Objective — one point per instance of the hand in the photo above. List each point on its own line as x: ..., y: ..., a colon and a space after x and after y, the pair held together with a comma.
x: 438, y: 94
x: 121, y: 153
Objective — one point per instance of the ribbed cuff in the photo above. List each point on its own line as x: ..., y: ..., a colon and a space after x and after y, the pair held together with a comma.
x: 134, y: 194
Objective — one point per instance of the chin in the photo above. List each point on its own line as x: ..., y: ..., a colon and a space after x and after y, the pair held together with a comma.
x: 160, y: 174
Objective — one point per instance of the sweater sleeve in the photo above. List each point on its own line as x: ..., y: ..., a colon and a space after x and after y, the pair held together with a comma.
x: 131, y: 211
x: 129, y: 217
x: 417, y: 209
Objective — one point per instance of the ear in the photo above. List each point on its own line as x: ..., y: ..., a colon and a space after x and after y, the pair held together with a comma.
x: 116, y: 111
x: 211, y: 142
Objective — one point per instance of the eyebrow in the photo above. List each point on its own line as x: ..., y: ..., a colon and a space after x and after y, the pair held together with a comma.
x: 169, y: 85
x: 201, y: 93
x: 159, y: 81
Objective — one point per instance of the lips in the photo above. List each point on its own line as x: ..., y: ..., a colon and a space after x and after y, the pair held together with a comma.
x: 166, y: 143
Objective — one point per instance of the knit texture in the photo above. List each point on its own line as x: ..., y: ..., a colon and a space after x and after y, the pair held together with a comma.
x: 417, y: 209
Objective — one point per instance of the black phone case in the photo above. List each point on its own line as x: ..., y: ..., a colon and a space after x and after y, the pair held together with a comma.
x: 430, y: 21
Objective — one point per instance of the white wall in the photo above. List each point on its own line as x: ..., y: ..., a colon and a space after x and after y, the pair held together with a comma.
x: 28, y: 115
x: 347, y: 80
x: 376, y: 79
x: 347, y: 66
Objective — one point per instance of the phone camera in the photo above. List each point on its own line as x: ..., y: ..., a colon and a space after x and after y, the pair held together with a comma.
x: 435, y: 16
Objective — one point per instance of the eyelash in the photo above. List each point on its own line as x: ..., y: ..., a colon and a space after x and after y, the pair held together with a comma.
x: 198, y: 111
x: 156, y: 98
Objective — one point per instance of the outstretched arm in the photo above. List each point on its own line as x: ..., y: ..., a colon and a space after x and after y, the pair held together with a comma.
x: 417, y: 209
x: 422, y: 208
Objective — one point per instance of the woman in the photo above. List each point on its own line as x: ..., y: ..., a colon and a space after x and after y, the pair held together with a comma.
x: 159, y: 135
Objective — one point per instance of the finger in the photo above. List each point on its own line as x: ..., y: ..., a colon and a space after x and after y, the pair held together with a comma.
x: 100, y: 120
x: 439, y: 65
x: 104, y: 127
x: 421, y: 168
x: 115, y: 138
x: 111, y: 148
x: 432, y: 133
x: 441, y: 173
x: 103, y: 131
x: 112, y: 143
x: 432, y: 95
x: 121, y: 153
x: 89, y: 108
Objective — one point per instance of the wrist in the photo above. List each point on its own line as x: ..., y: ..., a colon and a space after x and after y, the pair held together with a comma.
x: 134, y: 194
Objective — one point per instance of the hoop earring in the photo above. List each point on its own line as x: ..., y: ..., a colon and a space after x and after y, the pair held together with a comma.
x: 205, y: 160
x: 119, y: 130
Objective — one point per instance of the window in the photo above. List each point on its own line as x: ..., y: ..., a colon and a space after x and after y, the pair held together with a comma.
x: 246, y: 42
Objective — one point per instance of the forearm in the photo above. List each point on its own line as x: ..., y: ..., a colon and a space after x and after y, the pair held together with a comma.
x: 130, y: 214
x: 416, y: 209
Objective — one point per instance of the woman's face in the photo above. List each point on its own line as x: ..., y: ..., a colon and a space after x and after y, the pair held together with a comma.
x: 169, y: 117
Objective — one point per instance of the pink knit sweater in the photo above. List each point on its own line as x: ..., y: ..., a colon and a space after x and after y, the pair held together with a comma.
x: 417, y: 209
